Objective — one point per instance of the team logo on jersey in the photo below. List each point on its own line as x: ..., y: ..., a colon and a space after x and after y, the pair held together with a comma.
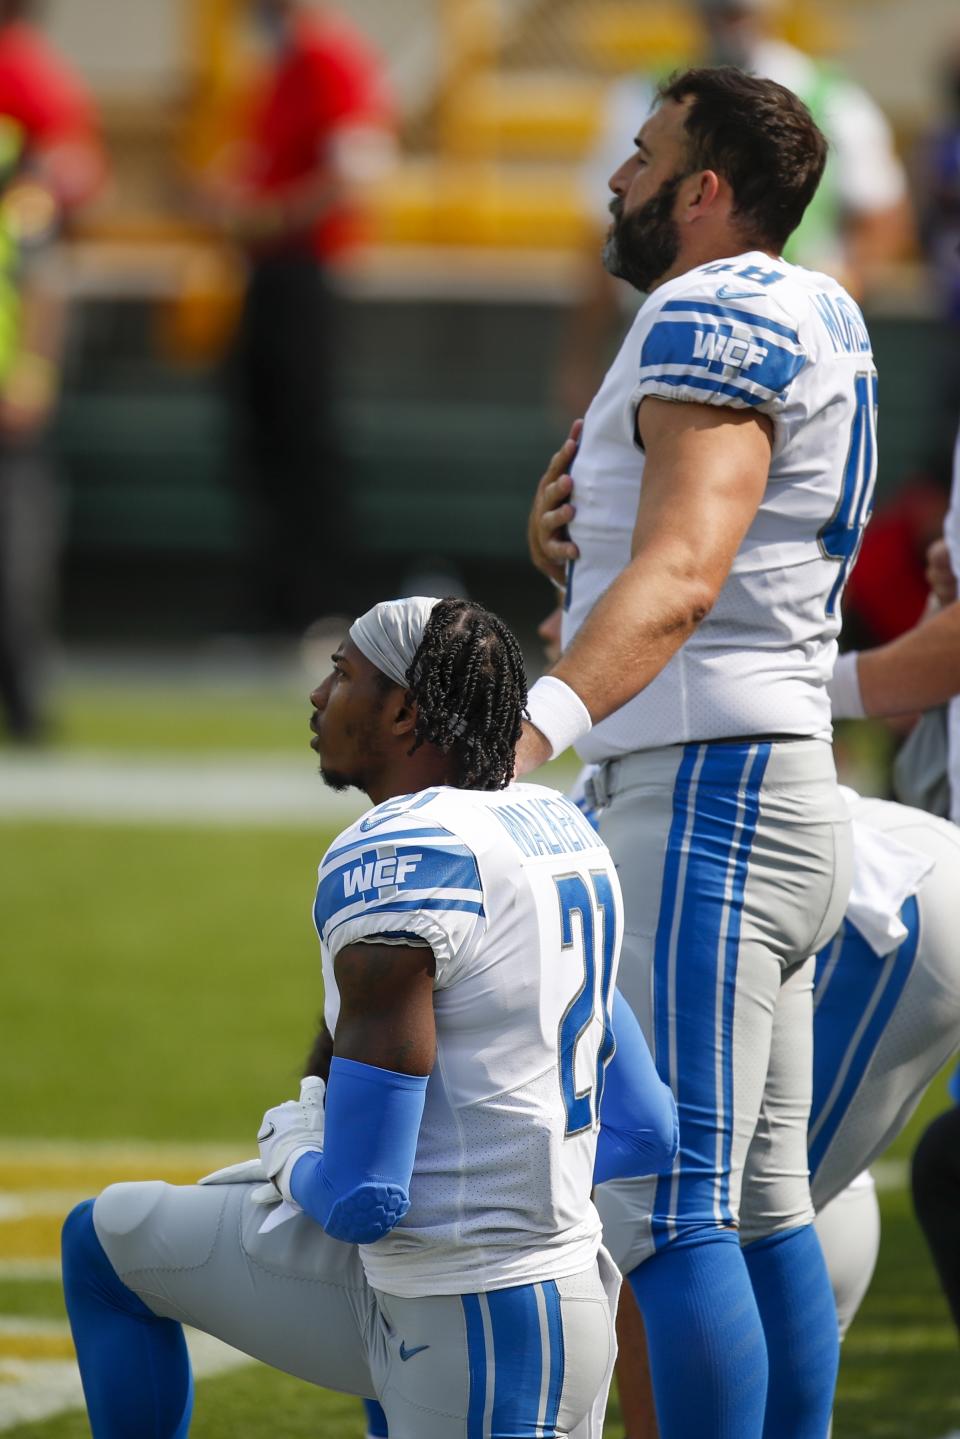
x: 375, y: 874
x: 727, y: 349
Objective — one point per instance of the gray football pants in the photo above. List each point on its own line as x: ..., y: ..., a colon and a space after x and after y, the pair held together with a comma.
x: 884, y: 1027
x: 535, y: 1358
x: 849, y: 1232
x: 734, y: 858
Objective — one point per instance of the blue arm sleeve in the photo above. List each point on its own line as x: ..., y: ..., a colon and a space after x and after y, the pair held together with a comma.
x: 359, y: 1187
x: 639, y: 1131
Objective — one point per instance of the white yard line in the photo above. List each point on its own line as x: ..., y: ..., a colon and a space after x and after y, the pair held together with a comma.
x: 247, y: 788
x: 37, y: 1153
x: 240, y: 788
x: 32, y: 1270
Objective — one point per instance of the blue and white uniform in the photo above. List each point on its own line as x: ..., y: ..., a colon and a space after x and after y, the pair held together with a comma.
x: 521, y: 906
x: 732, y: 843
x: 887, y: 990
x: 487, y: 1312
x: 757, y: 334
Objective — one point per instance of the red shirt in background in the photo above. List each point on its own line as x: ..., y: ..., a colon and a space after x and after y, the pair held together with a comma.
x: 888, y: 589
x: 327, y: 79
x: 51, y: 104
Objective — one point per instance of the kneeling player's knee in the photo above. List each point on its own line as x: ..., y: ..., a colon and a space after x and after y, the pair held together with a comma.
x: 79, y: 1238
x: 87, y: 1272
x: 85, y: 1264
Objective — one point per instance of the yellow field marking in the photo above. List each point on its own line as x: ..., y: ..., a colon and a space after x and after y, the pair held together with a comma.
x: 36, y: 1346
x: 35, y: 1237
x: 41, y: 1182
x: 88, y: 1169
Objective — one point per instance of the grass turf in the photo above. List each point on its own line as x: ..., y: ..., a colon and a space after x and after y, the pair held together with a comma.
x: 165, y: 982
x: 164, y: 987
x: 202, y: 717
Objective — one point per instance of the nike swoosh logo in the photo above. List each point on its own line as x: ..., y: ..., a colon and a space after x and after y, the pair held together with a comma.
x: 267, y: 1132
x: 406, y: 1353
x: 724, y: 294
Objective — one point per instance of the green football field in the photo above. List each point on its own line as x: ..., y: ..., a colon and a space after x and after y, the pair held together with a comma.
x: 161, y: 984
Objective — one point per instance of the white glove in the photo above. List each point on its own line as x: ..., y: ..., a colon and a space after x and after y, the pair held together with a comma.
x: 248, y: 1171
x: 290, y: 1130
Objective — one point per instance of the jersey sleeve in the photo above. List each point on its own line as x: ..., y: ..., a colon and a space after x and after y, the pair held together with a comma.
x: 720, y: 344
x: 409, y: 882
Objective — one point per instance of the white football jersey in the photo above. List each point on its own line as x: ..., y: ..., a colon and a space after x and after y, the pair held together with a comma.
x: 519, y: 900
x: 790, y: 343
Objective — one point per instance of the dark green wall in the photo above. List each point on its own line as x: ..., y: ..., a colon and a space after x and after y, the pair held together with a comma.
x: 446, y: 423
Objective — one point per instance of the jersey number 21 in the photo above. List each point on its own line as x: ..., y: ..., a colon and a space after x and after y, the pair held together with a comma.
x: 593, y: 1000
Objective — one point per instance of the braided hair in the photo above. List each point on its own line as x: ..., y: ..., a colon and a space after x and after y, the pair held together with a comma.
x: 468, y: 680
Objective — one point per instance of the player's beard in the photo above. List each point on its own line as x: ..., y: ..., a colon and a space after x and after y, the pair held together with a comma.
x: 365, y: 743
x: 644, y: 243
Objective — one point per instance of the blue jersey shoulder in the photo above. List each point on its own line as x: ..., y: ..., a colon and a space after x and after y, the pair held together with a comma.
x: 723, y: 336
x: 406, y: 864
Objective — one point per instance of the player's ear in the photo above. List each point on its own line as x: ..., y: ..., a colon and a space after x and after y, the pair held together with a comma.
x: 705, y: 190
x: 402, y: 716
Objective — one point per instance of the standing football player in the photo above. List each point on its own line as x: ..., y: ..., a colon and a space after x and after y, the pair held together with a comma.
x: 720, y: 486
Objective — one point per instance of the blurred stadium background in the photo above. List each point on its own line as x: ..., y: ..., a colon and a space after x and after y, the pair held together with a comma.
x: 157, y: 851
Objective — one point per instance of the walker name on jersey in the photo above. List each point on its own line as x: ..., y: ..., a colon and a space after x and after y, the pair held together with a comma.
x: 727, y: 349
x: 376, y: 876
x: 546, y: 826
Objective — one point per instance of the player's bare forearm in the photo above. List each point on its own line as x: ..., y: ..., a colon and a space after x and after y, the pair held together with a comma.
x: 532, y: 751
x: 916, y: 671
x: 704, y: 477
x: 635, y: 629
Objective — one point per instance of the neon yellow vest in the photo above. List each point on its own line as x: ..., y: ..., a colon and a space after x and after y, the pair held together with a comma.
x: 816, y: 234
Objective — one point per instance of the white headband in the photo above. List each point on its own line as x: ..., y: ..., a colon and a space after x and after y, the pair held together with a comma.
x: 389, y: 635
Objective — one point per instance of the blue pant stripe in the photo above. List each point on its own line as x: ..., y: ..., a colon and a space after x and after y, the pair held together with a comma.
x: 704, y: 916
x: 376, y: 1420
x: 826, y: 963
x: 751, y: 815
x: 662, y: 946
x: 551, y: 1295
x: 477, y: 1363
x: 865, y: 988
x: 703, y: 953
x: 518, y: 1362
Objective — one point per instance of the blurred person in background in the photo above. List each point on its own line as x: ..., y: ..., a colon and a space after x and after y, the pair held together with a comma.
x: 859, y: 220
x: 935, y: 1184
x: 52, y: 163
x: 938, y: 203
x: 888, y: 589
x: 291, y: 193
